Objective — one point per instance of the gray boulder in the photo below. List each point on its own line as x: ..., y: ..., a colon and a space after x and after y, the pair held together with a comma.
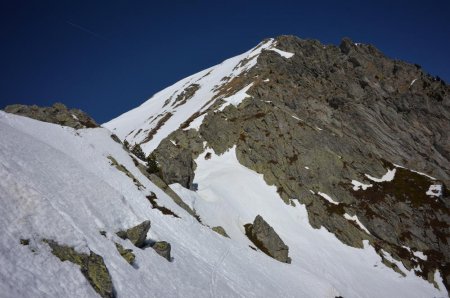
x: 267, y: 240
x: 163, y: 249
x: 137, y: 234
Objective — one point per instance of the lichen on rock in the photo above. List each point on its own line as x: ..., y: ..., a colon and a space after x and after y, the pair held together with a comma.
x: 92, y: 266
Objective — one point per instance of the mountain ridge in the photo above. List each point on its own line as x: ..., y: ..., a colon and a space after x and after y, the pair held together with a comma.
x: 342, y: 151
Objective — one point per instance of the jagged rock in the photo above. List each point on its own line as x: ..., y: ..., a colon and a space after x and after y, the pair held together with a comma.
x: 163, y: 249
x: 92, y: 266
x: 58, y: 114
x: 221, y: 231
x: 177, y: 162
x: 137, y: 234
x: 267, y: 240
x: 127, y: 254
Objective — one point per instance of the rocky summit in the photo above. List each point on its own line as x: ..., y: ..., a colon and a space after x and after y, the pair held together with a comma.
x: 295, y: 169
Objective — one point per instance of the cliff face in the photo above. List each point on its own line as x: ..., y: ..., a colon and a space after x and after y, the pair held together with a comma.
x: 320, y: 123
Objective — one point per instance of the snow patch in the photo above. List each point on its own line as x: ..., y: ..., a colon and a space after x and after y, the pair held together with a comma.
x: 359, y: 185
x: 236, y: 98
x: 328, y: 198
x: 389, y: 176
x: 282, y: 53
x: 435, y: 190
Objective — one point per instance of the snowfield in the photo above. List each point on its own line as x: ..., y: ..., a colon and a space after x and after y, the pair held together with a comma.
x: 57, y: 183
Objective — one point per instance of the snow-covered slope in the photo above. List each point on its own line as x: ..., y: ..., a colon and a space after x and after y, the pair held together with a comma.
x: 199, y: 91
x: 57, y: 183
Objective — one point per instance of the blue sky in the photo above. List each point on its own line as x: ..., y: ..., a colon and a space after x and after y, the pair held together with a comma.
x: 106, y: 57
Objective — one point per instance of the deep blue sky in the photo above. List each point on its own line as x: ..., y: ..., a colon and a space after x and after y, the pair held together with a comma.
x: 107, y: 57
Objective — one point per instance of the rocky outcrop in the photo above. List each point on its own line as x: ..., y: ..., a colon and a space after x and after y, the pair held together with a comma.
x: 92, y: 266
x: 137, y: 234
x: 58, y: 114
x: 127, y: 254
x: 221, y: 231
x: 163, y: 249
x: 267, y: 240
x: 329, y: 115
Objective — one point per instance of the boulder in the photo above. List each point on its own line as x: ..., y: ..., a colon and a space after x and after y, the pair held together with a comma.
x: 163, y: 249
x: 221, y: 231
x: 267, y: 240
x: 137, y: 234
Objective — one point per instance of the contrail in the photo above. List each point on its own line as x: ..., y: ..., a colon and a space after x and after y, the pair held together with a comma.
x: 85, y: 30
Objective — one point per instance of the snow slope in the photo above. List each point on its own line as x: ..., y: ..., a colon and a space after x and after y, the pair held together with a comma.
x: 57, y: 183
x: 135, y: 125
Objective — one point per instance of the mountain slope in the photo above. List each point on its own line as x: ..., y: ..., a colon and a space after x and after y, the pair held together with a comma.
x: 59, y: 184
x: 321, y: 123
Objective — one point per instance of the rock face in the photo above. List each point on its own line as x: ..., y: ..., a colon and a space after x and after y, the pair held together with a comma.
x: 267, y: 240
x: 327, y: 116
x: 137, y: 234
x: 58, y: 114
x: 92, y: 266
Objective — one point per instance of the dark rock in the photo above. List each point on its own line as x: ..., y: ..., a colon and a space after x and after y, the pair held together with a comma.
x: 92, y: 266
x: 58, y: 114
x: 267, y: 240
x: 116, y: 139
x: 25, y: 241
x: 163, y: 249
x: 137, y: 234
